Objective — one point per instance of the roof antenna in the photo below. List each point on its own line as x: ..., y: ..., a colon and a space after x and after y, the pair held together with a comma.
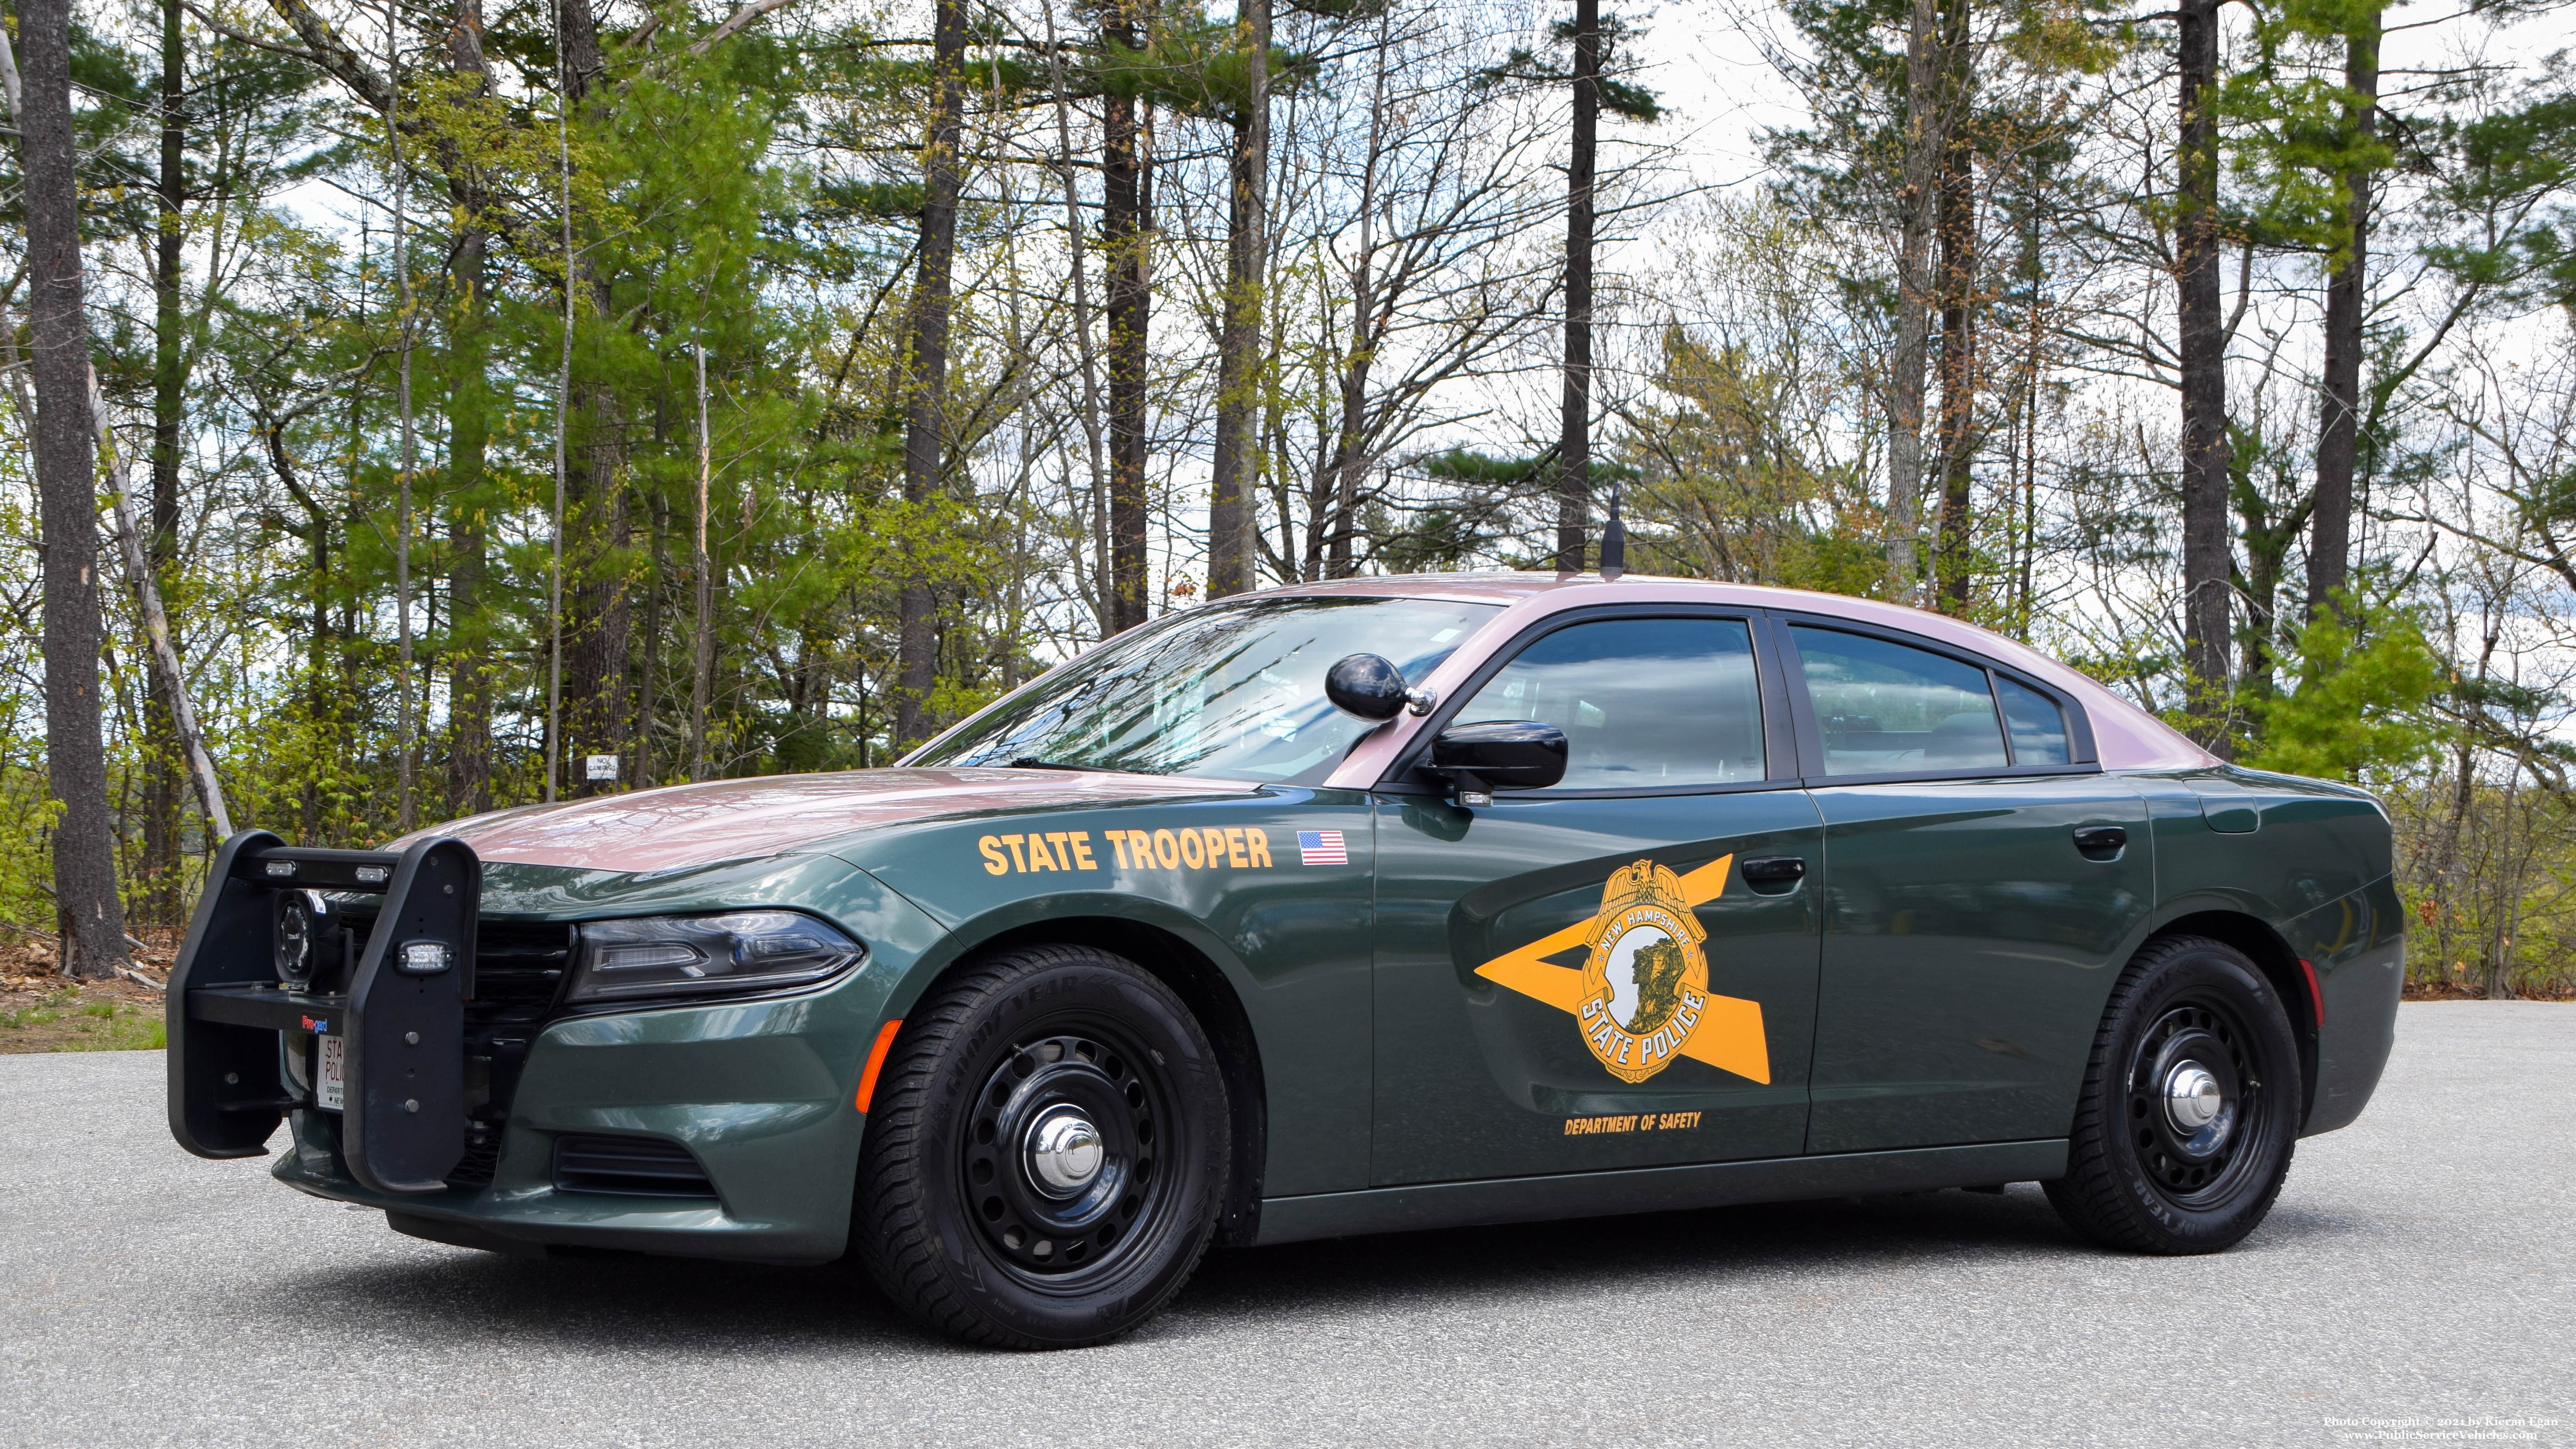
x: 1614, y: 540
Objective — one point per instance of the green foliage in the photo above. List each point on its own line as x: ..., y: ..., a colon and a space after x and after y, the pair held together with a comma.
x: 2506, y: 177
x: 2300, y: 129
x: 1619, y: 97
x: 2362, y: 682
x: 1732, y: 490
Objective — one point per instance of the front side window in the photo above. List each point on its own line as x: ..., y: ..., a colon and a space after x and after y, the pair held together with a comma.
x: 1644, y: 703
x: 1231, y: 691
x: 1887, y: 708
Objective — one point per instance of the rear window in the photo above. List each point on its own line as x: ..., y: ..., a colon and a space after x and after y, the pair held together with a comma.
x: 2038, y: 726
x: 1886, y: 708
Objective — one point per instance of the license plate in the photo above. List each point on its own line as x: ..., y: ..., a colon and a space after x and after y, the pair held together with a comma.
x: 331, y: 1083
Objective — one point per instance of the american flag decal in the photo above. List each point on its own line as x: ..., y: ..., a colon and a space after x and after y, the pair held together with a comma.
x: 1322, y: 847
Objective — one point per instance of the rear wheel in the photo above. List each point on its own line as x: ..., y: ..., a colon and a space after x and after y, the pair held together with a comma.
x: 1046, y: 1153
x: 2190, y: 1107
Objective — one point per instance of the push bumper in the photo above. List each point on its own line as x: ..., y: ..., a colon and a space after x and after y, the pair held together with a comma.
x: 735, y: 1116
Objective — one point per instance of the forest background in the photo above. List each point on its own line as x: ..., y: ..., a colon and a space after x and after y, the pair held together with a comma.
x: 501, y: 388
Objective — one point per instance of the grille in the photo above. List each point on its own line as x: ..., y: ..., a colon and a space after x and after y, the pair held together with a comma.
x: 519, y: 969
x: 632, y: 1166
x: 482, y: 1156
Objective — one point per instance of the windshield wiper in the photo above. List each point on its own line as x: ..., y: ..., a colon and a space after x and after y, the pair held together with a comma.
x: 1032, y: 762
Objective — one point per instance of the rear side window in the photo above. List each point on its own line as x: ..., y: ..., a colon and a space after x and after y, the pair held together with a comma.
x: 1886, y: 708
x: 1644, y: 703
x: 2038, y: 726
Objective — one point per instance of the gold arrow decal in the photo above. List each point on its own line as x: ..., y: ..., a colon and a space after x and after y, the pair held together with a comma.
x: 1729, y: 1037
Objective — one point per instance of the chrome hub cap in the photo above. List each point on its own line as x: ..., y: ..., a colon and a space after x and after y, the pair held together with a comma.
x: 1064, y: 1152
x: 2192, y: 1098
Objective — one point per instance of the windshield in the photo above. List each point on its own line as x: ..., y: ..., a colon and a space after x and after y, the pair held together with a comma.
x: 1230, y: 690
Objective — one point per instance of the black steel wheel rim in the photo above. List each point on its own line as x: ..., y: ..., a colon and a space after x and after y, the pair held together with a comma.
x: 2195, y: 1163
x: 1042, y: 1232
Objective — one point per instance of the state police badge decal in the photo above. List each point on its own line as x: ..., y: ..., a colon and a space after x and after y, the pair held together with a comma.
x: 1646, y: 979
x: 1641, y: 997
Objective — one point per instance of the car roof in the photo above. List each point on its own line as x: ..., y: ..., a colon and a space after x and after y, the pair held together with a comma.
x: 2125, y: 736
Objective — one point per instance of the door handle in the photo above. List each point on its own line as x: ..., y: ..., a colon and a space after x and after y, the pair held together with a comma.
x: 2101, y: 842
x: 1774, y: 874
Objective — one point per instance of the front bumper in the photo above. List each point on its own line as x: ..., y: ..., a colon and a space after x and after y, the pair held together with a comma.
x: 750, y: 1098
x: 758, y: 1092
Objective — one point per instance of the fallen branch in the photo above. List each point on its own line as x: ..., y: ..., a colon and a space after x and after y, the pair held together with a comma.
x: 156, y: 625
x: 736, y: 21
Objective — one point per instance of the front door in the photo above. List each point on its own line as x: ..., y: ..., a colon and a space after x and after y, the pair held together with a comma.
x: 1974, y: 912
x: 1618, y: 971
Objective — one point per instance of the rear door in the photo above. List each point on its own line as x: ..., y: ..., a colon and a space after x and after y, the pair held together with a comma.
x: 1585, y: 976
x: 1981, y: 877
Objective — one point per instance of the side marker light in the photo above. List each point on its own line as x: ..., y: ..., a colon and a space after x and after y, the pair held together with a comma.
x: 876, y: 1063
x: 2316, y: 993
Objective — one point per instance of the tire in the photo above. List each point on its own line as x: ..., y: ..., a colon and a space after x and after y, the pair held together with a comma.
x: 2146, y: 1173
x: 974, y: 1213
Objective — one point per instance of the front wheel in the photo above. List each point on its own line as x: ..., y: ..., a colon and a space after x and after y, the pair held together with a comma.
x: 2190, y: 1106
x: 1046, y: 1153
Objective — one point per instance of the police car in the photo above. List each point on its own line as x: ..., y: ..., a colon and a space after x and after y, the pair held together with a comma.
x: 1373, y: 905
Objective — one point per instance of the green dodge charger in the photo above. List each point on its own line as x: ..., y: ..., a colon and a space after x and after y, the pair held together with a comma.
x: 1357, y: 907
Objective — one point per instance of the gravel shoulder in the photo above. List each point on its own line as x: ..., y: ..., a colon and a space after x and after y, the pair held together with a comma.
x: 2414, y: 1272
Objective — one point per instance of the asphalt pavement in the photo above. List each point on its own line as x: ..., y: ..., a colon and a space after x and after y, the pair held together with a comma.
x: 2413, y: 1285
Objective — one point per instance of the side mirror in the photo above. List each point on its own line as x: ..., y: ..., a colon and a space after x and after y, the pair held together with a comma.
x: 1366, y: 685
x: 1514, y: 754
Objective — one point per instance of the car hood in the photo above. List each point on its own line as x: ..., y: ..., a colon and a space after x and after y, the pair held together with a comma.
x: 683, y: 826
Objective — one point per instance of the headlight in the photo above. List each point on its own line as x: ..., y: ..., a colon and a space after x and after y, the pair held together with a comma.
x: 729, y: 954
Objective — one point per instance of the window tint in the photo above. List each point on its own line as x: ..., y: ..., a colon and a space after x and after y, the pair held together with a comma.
x: 2038, y: 725
x: 1643, y: 702
x: 1884, y: 708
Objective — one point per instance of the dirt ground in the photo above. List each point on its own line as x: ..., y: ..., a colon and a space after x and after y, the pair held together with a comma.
x: 43, y: 1011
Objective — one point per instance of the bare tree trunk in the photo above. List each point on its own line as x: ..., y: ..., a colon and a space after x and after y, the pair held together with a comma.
x: 2027, y: 545
x: 1336, y: 494
x: 1126, y: 230
x: 599, y: 625
x: 1955, y: 562
x: 469, y: 680
x: 916, y: 607
x: 161, y: 791
x: 1918, y: 199
x: 702, y: 651
x: 407, y: 804
x: 597, y: 631
x: 2338, y: 432
x: 469, y: 432
x: 2202, y: 347
x: 165, y: 672
x: 89, y: 916
x: 1247, y: 256
x: 588, y: 650
x: 569, y: 81
x: 1103, y: 601
x: 1574, y: 445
